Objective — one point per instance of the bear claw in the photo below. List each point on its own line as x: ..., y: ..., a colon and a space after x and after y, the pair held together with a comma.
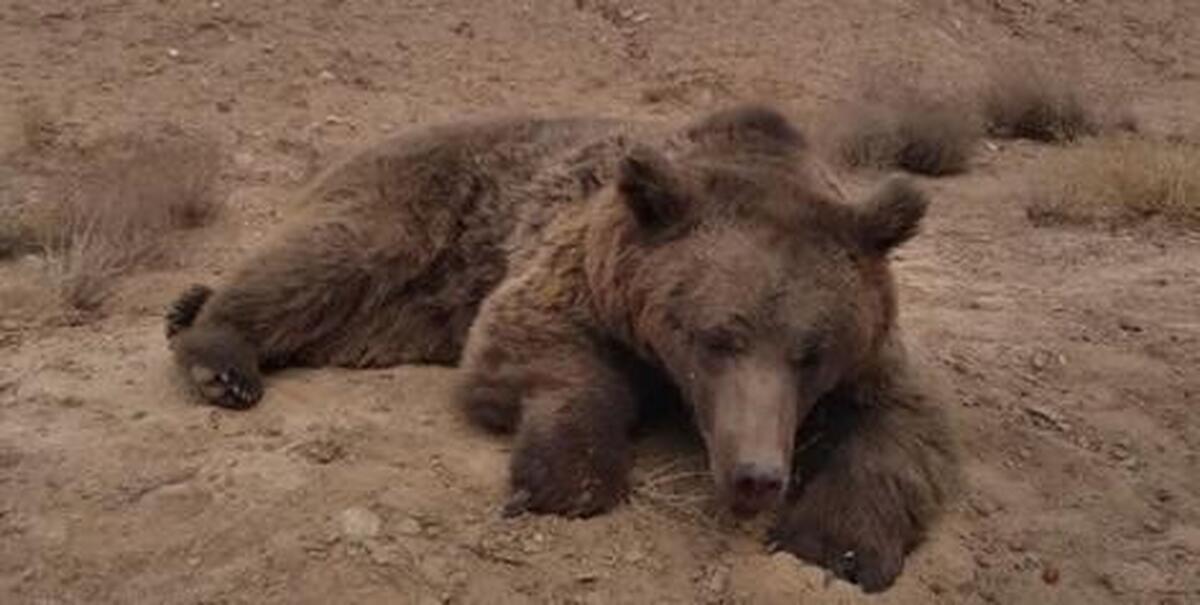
x: 228, y: 388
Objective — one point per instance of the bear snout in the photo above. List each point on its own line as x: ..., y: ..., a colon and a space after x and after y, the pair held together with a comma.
x: 755, y: 487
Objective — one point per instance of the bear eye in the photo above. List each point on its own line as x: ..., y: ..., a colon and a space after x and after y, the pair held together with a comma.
x: 808, y: 357
x: 722, y: 342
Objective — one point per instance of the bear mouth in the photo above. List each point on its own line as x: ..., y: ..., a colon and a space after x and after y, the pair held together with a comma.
x: 748, y: 506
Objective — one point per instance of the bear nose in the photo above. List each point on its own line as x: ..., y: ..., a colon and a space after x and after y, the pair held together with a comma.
x: 757, y: 482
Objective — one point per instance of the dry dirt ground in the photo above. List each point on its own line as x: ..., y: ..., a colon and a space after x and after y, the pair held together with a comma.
x: 1071, y: 355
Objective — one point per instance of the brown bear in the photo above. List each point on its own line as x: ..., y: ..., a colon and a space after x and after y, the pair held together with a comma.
x: 580, y: 270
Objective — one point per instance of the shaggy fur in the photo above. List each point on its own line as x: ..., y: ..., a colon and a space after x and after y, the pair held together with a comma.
x: 582, y: 270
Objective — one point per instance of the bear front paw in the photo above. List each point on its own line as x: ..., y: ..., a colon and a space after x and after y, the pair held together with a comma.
x: 229, y: 387
x: 858, y: 535
x: 549, y: 480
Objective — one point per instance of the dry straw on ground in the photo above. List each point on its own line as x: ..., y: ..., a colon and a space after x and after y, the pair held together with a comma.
x: 115, y: 208
x: 1120, y: 180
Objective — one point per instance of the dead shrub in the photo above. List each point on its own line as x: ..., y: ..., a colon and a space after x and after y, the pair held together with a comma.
x: 1023, y: 101
x: 919, y: 136
x: 1120, y: 180
x: 113, y: 210
x: 17, y: 237
x: 39, y: 129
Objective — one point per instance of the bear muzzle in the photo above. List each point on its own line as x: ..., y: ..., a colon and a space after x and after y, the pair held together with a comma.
x: 755, y: 488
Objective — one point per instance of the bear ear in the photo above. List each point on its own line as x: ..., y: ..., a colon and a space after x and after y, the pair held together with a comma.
x: 648, y: 185
x: 748, y: 127
x: 891, y: 216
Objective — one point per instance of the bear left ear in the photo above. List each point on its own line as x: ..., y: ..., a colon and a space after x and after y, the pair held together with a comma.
x: 891, y: 216
x: 648, y: 185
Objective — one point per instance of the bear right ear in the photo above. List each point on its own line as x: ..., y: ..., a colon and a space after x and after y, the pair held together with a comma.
x: 648, y: 186
x: 891, y: 216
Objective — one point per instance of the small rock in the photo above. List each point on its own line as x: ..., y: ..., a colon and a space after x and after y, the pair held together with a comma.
x: 71, y: 401
x: 464, y: 29
x: 1042, y: 360
x: 717, y: 581
x: 173, y: 53
x: 1119, y: 452
x: 408, y: 526
x: 1048, y: 417
x: 1050, y: 574
x: 321, y: 451
x: 1128, y: 325
x: 360, y: 523
x: 382, y: 556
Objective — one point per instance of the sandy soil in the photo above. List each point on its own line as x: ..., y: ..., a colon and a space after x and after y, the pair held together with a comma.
x: 1071, y: 355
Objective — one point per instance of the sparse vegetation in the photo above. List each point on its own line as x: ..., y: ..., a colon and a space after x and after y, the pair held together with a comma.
x: 1120, y: 180
x: 1024, y: 101
x: 16, y: 236
x: 38, y: 128
x: 111, y: 213
x: 919, y: 136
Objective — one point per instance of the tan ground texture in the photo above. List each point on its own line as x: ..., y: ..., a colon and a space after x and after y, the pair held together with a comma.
x: 1072, y: 356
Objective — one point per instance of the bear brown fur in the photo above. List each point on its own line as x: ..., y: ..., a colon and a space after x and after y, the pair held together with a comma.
x: 579, y: 270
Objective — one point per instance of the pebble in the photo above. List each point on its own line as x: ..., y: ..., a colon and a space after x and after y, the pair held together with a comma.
x: 1050, y: 574
x: 1048, y: 416
x: 408, y: 527
x: 360, y: 524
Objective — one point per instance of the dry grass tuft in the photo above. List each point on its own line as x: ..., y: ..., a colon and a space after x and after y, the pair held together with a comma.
x: 916, y: 135
x: 1023, y: 101
x: 16, y: 235
x: 113, y: 211
x: 39, y: 130
x: 1120, y: 180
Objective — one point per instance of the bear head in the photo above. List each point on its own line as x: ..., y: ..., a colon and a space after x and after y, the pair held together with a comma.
x: 756, y: 292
